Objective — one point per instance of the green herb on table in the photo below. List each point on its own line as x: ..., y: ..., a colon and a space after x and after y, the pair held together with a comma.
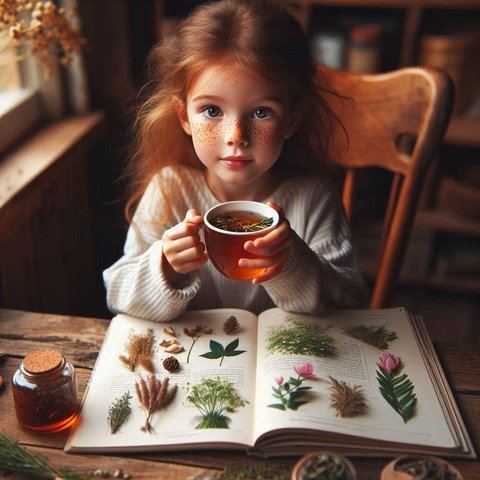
x: 214, y: 398
x: 217, y: 350
x: 377, y: 336
x: 299, y: 338
x: 119, y: 412
x: 260, y: 471
x: 16, y: 458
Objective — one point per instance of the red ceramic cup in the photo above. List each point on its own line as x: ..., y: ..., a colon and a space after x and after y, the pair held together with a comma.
x: 225, y: 248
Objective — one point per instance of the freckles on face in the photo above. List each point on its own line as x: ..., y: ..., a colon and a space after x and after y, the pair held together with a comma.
x: 204, y: 135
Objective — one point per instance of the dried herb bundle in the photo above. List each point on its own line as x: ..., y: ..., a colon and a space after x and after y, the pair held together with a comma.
x: 347, y: 401
x: 139, y: 352
x: 231, y: 325
x: 154, y: 395
x: 258, y: 471
x: 119, y: 411
x: 300, y: 338
x: 46, y: 30
x: 377, y: 336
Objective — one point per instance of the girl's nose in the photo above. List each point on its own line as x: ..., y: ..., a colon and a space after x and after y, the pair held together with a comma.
x: 236, y: 133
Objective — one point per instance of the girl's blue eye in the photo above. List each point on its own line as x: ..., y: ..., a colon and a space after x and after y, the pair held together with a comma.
x: 261, y: 112
x: 212, y: 112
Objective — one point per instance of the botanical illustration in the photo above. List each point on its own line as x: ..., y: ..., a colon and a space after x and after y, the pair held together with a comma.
x: 290, y: 392
x: 297, y: 337
x: 195, y: 334
x: 396, y: 389
x: 231, y: 325
x: 214, y: 398
x: 119, y: 412
x: 171, y: 345
x: 347, y: 401
x: 217, y: 350
x: 154, y: 395
x: 377, y: 336
x: 139, y: 351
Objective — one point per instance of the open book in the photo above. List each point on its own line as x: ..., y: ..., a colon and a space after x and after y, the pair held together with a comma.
x: 277, y: 384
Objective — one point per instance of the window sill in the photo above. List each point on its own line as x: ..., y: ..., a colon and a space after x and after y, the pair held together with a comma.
x: 60, y: 142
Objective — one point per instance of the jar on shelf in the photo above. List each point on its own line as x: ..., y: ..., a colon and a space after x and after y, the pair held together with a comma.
x: 45, y: 392
x: 364, y: 51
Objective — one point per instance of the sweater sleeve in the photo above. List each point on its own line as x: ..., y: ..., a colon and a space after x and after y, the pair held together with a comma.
x: 136, y: 284
x: 321, y: 268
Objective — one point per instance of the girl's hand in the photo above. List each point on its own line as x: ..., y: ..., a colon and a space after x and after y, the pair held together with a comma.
x: 183, y: 251
x: 273, y: 249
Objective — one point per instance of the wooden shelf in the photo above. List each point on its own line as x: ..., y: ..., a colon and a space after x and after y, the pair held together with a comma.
x: 464, y: 131
x: 447, y: 283
x: 447, y: 222
x: 416, y: 4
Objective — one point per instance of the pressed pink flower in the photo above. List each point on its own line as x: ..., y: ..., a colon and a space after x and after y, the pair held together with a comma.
x: 388, y: 362
x: 305, y: 370
x: 279, y: 380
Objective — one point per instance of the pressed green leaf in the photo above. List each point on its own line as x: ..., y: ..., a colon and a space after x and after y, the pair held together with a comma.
x: 232, y: 346
x: 212, y: 355
x: 277, y: 406
x: 234, y: 353
x: 295, y: 405
x: 217, y: 348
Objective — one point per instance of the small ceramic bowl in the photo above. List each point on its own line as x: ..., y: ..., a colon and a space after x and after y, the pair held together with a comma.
x: 412, y: 467
x: 322, y: 466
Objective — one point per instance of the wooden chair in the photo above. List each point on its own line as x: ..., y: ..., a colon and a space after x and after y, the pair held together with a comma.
x: 395, y: 121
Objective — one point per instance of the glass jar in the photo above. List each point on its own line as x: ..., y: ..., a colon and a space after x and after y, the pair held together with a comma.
x: 45, y: 392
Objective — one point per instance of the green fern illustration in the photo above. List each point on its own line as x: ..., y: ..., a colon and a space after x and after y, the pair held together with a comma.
x: 398, y: 392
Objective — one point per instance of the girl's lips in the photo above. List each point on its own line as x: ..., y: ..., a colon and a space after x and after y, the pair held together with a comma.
x: 236, y: 162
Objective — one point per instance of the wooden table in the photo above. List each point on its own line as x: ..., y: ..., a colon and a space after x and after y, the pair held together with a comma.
x: 80, y: 339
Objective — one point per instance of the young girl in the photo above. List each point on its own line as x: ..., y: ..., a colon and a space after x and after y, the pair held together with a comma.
x: 236, y: 112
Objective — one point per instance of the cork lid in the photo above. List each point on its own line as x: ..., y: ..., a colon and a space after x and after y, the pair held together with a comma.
x: 42, y: 361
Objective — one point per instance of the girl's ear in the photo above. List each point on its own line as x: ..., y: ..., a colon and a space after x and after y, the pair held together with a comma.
x: 181, y: 110
x: 294, y: 122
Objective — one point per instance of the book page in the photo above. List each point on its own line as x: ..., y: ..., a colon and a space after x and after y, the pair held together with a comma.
x: 181, y: 422
x: 350, y: 360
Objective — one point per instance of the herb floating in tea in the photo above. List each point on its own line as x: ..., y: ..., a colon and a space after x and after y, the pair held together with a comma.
x: 213, y: 399
x: 153, y: 395
x: 119, y: 411
x: 300, y: 338
x: 347, y: 401
x: 241, y: 222
x: 218, y: 351
x: 396, y: 390
x: 377, y: 336
x: 16, y: 458
x: 139, y: 352
x: 231, y: 325
x: 290, y: 391
x: 195, y: 334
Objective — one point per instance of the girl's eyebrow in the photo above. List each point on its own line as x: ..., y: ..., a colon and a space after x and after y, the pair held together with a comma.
x: 214, y: 98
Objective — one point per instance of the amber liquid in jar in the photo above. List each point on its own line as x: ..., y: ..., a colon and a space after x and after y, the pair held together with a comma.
x: 45, y: 392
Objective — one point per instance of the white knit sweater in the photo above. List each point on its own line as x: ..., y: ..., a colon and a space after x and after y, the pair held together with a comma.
x: 320, y: 270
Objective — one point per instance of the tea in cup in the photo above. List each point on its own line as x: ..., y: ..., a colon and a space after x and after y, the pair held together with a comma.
x: 228, y: 226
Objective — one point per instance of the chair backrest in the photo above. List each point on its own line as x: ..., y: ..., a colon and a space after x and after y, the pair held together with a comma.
x: 395, y: 121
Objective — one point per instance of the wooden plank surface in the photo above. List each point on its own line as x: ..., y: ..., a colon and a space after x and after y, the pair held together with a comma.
x: 80, y: 339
